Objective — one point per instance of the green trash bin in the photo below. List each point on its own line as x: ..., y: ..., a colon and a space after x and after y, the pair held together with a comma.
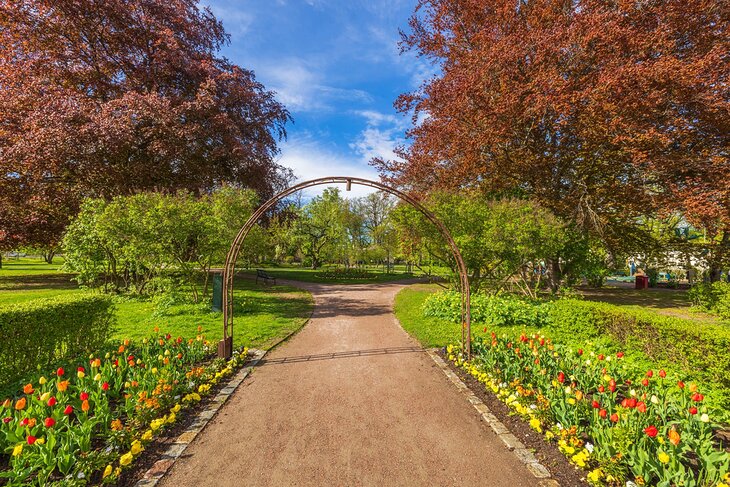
x: 217, y: 292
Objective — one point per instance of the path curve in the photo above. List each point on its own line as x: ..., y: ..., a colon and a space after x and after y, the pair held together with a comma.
x: 350, y: 400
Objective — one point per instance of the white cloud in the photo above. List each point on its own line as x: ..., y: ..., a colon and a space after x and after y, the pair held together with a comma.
x: 381, y: 135
x: 309, y: 159
x: 300, y: 87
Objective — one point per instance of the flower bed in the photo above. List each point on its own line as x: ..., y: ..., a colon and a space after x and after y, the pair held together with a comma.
x: 87, y: 420
x: 618, y: 423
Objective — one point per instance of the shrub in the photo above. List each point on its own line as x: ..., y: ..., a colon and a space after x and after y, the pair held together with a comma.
x: 494, y: 310
x: 699, y: 351
x: 713, y: 298
x: 37, y: 333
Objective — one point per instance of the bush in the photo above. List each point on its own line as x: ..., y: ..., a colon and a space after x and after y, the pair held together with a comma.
x: 699, y: 351
x: 40, y: 332
x: 713, y: 298
x: 494, y: 310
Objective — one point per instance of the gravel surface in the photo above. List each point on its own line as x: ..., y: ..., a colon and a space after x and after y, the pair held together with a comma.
x: 349, y: 400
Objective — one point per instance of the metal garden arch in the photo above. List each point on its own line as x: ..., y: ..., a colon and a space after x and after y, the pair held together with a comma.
x: 225, y: 347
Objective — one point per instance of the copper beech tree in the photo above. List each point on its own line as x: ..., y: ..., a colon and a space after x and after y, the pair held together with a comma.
x: 108, y: 97
x: 601, y: 111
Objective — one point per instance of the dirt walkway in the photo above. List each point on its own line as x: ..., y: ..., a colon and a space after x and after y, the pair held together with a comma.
x: 350, y: 400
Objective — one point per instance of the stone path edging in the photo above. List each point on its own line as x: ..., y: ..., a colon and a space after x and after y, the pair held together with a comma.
x: 512, y: 443
x: 176, y: 449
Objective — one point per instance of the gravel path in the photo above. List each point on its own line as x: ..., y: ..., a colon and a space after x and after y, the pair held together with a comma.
x: 349, y: 400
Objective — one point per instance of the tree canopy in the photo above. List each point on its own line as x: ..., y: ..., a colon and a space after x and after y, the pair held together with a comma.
x: 104, y: 98
x: 601, y: 111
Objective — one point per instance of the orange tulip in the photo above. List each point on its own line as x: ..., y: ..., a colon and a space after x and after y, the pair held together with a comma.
x: 7, y: 403
x: 28, y: 389
x: 20, y: 405
x: 85, y: 406
x: 62, y: 385
x: 674, y: 437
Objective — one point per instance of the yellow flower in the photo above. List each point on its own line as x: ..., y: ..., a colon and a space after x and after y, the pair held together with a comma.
x: 595, y: 475
x: 535, y: 424
x: 42, y: 380
x: 549, y: 435
x: 663, y: 457
x: 18, y: 449
x: 40, y: 441
x: 705, y: 418
x: 126, y: 459
x: 147, y: 436
x: 157, y: 423
x: 175, y: 409
x: 136, y: 448
x: 45, y: 396
x: 97, y: 377
x: 80, y: 374
x: 107, y: 472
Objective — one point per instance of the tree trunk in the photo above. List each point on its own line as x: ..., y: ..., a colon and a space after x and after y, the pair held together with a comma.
x: 1, y: 260
x: 48, y: 256
x: 555, y: 274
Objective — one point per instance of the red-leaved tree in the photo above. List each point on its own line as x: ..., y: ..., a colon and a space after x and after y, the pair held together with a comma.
x: 602, y: 111
x: 108, y: 97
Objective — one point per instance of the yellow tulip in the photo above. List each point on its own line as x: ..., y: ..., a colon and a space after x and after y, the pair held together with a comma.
x: 42, y: 380
x: 107, y: 471
x: 18, y: 449
x: 663, y: 457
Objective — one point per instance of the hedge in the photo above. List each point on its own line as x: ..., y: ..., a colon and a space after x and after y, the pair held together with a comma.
x: 40, y: 332
x: 700, y: 350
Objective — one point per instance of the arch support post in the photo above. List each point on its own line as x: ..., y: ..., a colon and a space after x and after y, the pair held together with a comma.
x: 225, y: 346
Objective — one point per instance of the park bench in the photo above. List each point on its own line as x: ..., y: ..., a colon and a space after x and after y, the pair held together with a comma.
x: 261, y: 274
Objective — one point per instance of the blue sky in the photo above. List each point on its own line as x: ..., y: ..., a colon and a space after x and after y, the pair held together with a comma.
x: 336, y: 65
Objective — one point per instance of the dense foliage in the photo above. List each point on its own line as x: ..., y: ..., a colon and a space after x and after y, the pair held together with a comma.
x: 102, y: 98
x: 608, y: 416
x: 43, y: 331
x: 151, y: 242
x: 697, y: 352
x: 713, y: 298
x: 85, y: 419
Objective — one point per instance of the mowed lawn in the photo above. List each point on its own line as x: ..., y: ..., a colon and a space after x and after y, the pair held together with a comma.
x: 263, y: 315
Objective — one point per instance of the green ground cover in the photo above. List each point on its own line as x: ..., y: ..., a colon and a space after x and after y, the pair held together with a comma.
x: 320, y: 275
x: 262, y: 316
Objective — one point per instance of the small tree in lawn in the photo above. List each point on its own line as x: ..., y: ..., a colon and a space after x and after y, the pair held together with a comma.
x: 320, y: 227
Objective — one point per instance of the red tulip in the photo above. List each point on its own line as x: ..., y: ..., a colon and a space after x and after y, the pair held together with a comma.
x: 580, y: 351
x: 645, y: 382
x: 680, y: 384
x: 625, y: 403
x: 632, y: 402
x: 105, y: 386
x: 561, y: 377
x: 52, y: 401
x: 601, y: 389
x: 614, y: 417
x: 602, y: 413
x: 80, y: 369
x: 693, y: 410
x: 641, y: 407
x: 84, y: 396
x: 69, y: 409
x: 168, y: 336
x: 60, y: 371
x: 24, y: 422
x: 542, y: 342
x: 650, y: 373
x: 7, y: 420
x: 697, y: 397
x: 49, y: 422
x: 651, y: 431
x: 596, y: 405
x: 612, y: 385
x: 601, y: 357
x: 620, y: 355
x: 662, y: 374
x: 31, y: 439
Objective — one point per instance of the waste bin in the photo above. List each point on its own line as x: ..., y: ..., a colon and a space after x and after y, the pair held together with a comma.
x: 217, y: 292
x: 642, y: 282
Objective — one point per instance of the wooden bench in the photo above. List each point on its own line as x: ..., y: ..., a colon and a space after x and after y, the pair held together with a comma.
x: 261, y: 274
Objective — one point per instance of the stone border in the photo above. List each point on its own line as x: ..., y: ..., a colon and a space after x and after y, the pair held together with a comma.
x: 176, y: 449
x: 512, y: 443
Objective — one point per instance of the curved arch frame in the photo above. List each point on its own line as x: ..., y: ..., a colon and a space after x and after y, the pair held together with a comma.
x: 225, y: 347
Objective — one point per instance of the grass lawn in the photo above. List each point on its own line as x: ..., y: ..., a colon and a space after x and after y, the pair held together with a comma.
x: 263, y: 314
